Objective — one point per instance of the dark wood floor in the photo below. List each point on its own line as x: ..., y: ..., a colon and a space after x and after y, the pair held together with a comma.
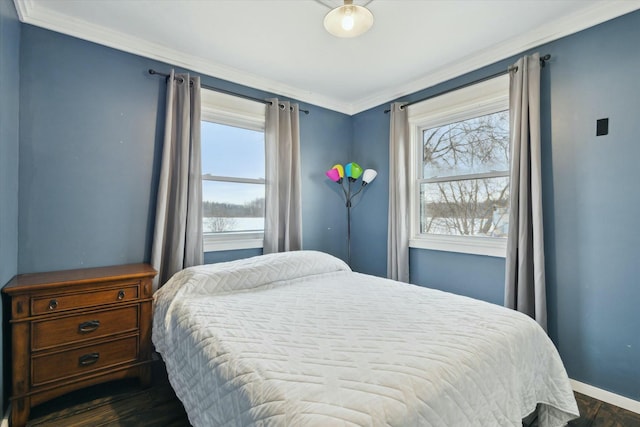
x: 125, y: 404
x: 118, y: 403
x: 594, y: 413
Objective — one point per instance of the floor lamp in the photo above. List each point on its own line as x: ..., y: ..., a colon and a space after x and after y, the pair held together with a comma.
x: 353, y: 171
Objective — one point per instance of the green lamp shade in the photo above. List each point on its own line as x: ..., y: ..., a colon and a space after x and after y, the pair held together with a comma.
x: 353, y: 170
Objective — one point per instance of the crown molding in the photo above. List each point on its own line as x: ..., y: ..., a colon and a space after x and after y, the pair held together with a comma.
x: 24, y: 9
x: 588, y: 17
x: 30, y: 13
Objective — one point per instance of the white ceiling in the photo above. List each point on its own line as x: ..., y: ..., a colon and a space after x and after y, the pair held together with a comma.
x: 280, y: 46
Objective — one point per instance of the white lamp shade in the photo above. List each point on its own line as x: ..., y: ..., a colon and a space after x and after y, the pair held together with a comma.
x: 368, y: 176
x: 348, y: 21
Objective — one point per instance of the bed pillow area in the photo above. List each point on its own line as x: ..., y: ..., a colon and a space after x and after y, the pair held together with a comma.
x: 250, y: 273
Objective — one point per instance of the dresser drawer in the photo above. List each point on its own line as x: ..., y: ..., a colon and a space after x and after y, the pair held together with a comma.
x: 55, y: 303
x: 83, y: 360
x: 72, y: 329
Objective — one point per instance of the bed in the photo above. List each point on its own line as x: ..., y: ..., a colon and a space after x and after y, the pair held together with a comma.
x: 298, y: 339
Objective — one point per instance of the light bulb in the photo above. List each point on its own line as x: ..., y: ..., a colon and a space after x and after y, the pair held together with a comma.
x: 347, y: 20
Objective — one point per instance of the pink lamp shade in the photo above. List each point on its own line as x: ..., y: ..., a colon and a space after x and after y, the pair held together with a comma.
x: 368, y: 176
x: 334, y: 175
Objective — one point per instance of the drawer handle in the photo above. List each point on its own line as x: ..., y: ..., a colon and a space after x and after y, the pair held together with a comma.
x: 88, y: 359
x: 89, y: 326
x: 120, y: 295
x: 53, y: 304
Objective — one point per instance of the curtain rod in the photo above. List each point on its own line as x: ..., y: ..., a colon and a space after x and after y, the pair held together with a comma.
x: 511, y: 68
x: 228, y: 92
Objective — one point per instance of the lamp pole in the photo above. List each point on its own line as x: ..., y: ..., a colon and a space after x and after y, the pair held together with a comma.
x: 353, y: 172
x: 348, y: 197
x: 349, y: 224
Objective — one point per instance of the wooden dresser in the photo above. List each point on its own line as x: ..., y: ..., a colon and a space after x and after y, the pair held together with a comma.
x: 75, y: 328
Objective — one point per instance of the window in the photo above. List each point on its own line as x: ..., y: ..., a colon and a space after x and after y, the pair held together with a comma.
x: 460, y: 181
x: 233, y: 172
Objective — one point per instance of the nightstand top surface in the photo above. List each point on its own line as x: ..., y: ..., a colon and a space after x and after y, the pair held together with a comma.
x: 34, y: 281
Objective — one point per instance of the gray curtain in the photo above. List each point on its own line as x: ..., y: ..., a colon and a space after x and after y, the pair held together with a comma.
x: 525, y: 279
x: 398, y: 226
x: 177, y: 238
x: 283, y: 216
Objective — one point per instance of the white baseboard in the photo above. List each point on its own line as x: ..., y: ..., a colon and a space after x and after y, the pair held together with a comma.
x: 5, y: 419
x: 606, y: 396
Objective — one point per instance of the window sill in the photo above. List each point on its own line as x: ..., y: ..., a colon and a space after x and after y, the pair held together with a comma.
x: 488, y: 246
x: 232, y: 242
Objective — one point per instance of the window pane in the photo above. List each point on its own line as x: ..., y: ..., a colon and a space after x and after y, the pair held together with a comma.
x: 231, y: 206
x: 476, y: 145
x: 473, y: 207
x: 232, y: 151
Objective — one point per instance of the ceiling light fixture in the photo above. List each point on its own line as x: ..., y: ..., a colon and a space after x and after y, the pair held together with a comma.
x: 348, y: 20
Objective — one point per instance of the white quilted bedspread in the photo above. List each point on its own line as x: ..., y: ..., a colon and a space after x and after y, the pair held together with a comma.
x: 297, y: 339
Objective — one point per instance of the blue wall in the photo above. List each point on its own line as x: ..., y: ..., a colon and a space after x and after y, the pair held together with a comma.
x: 369, y: 212
x: 9, y: 119
x: 325, y: 141
x: 89, y: 133
x: 591, y: 205
x: 91, y: 122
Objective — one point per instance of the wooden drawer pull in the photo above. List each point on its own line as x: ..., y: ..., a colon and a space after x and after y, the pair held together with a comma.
x: 89, y: 326
x: 88, y: 359
x: 53, y: 304
x: 120, y: 295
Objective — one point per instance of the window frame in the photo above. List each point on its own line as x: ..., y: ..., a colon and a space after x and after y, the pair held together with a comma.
x: 229, y: 110
x: 476, y: 100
